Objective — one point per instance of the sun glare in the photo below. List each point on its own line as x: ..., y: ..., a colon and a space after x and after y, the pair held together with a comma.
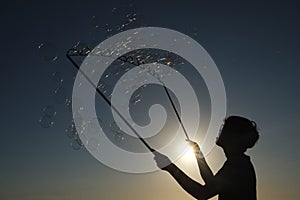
x: 189, y: 154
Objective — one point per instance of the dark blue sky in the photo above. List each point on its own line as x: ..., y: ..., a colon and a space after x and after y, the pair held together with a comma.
x: 254, y: 44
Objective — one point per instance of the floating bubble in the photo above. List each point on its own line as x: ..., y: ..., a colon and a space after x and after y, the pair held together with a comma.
x: 114, y: 127
x: 130, y: 19
x: 49, y: 111
x: 169, y: 63
x: 68, y: 103
x: 81, y: 48
x: 113, y: 10
x: 107, y: 52
x: 136, y: 100
x: 94, y: 23
x: 93, y: 144
x: 155, y: 73
x: 118, y: 133
x: 195, y: 31
x: 96, y: 30
x: 133, y: 60
x: 137, y: 97
x: 119, y: 137
x: 80, y: 45
x: 79, y: 120
x: 57, y: 77
x: 47, y: 51
x: 60, y: 95
x: 104, y: 88
x: 127, y: 14
x: 125, y: 67
x: 92, y: 126
x: 108, y: 30
x: 46, y: 121
x: 76, y: 143
x: 71, y: 130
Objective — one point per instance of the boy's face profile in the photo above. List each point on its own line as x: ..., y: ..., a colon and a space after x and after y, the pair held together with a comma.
x: 219, y: 139
x: 237, y: 133
x: 228, y: 142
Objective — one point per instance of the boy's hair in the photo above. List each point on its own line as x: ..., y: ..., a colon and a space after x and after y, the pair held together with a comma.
x: 239, y: 131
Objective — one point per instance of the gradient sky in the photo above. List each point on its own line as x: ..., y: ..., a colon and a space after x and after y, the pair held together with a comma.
x: 254, y: 45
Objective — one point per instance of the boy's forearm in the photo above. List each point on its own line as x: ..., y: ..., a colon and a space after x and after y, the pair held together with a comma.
x: 189, y: 185
x: 205, y: 170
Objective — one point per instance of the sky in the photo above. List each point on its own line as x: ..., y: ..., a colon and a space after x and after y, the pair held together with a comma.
x: 253, y: 43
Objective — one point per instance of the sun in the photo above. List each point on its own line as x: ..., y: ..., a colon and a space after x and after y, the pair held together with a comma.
x: 188, y: 162
x: 189, y: 154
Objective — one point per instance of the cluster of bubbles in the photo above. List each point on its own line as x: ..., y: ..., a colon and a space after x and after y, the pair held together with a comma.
x: 126, y: 14
x: 118, y: 133
x: 105, y: 88
x: 72, y: 133
x: 122, y: 18
x: 47, y: 51
x: 129, y: 19
x: 49, y: 112
x: 125, y: 63
x: 47, y: 118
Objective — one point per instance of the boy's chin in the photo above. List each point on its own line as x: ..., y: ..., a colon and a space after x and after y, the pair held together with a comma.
x: 218, y: 144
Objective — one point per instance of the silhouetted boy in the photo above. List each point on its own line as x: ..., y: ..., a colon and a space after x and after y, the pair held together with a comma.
x: 236, y: 179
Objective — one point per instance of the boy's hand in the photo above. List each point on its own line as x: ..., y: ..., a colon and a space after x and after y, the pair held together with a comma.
x: 161, y: 160
x: 196, y: 148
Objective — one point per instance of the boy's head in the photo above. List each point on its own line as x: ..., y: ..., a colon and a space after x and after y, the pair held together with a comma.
x: 238, y: 134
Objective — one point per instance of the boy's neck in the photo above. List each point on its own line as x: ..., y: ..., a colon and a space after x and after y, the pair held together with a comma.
x: 231, y: 154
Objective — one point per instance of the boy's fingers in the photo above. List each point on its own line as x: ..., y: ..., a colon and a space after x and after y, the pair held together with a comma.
x: 191, y: 142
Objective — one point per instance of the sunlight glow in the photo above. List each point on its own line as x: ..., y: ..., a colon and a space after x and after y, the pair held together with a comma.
x: 189, y: 155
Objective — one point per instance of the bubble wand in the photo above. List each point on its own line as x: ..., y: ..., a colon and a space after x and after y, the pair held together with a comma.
x: 106, y: 99
x: 85, y: 51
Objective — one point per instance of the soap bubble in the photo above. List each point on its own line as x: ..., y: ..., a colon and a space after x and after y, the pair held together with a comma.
x: 46, y: 121
x: 195, y: 31
x: 57, y: 77
x: 47, y: 52
x: 60, y: 95
x: 108, y: 30
x: 114, y: 127
x: 68, y: 103
x: 81, y: 48
x: 104, y: 88
x: 118, y: 133
x: 95, y: 22
x: 92, y: 126
x: 93, y: 144
x: 71, y: 130
x: 119, y: 137
x: 79, y: 120
x: 49, y: 111
x: 127, y: 15
x: 130, y: 19
x: 76, y: 143
x: 136, y: 98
